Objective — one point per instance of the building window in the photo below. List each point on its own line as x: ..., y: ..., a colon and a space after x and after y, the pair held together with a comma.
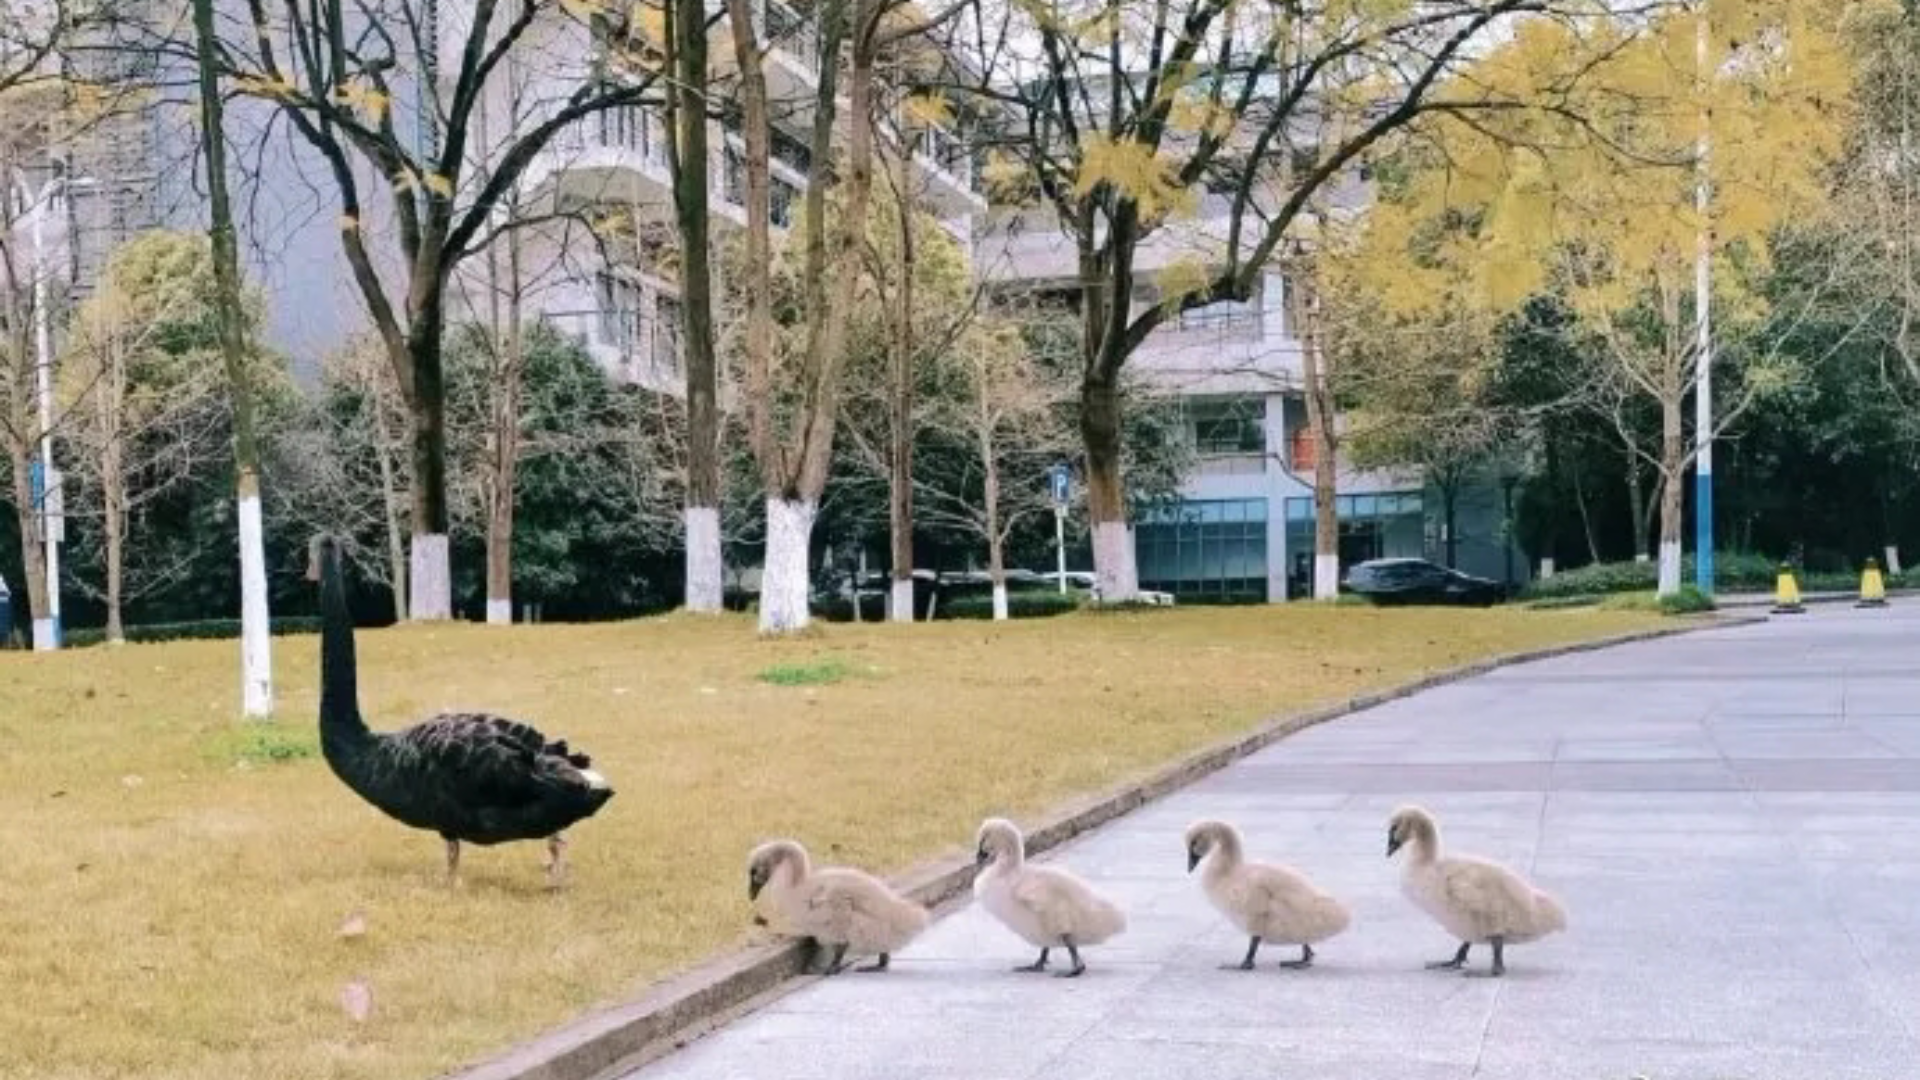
x: 733, y: 177
x: 619, y: 311
x: 1206, y: 550
x: 666, y: 334
x: 1387, y: 525
x: 1228, y: 426
x: 780, y: 199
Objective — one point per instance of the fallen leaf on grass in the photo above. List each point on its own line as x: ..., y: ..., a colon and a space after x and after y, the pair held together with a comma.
x: 357, y: 999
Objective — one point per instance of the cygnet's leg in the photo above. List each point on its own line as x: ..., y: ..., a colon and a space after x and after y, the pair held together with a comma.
x: 1459, y: 960
x: 1247, y: 964
x: 453, y: 863
x: 1305, y: 961
x: 1499, y: 958
x: 838, y: 963
x: 1079, y: 968
x: 1037, y: 965
x: 877, y: 965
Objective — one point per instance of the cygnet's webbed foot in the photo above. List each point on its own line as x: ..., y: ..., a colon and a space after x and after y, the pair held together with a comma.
x: 1253, y: 947
x: 1305, y: 961
x: 839, y: 962
x: 1459, y: 960
x: 1037, y: 965
x: 877, y: 965
x: 1078, y: 969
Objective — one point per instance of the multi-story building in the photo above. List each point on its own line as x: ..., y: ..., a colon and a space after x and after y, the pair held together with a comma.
x: 1244, y: 528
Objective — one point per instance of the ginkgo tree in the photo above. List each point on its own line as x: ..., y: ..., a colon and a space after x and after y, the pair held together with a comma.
x: 390, y: 96
x: 1597, y: 201
x: 1177, y: 126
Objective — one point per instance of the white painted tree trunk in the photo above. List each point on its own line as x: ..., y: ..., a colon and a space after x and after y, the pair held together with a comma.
x: 1547, y: 568
x: 1669, y: 567
x: 500, y: 611
x: 1893, y: 558
x: 706, y: 569
x: 430, y: 579
x: 783, y: 581
x: 1116, y: 573
x: 43, y: 635
x: 256, y: 639
x: 1326, y: 577
x: 999, y: 602
x: 900, y: 604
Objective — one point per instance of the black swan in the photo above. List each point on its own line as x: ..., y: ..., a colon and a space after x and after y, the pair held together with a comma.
x: 467, y: 776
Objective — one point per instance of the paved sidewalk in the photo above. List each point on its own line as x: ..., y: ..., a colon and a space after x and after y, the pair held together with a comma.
x: 1732, y: 818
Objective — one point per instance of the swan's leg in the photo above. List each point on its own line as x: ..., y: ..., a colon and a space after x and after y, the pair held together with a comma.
x: 877, y: 965
x: 556, y: 860
x: 1459, y: 960
x: 1037, y: 965
x: 1247, y: 964
x: 838, y: 963
x: 453, y: 863
x: 1499, y: 957
x: 1079, y: 968
x: 1305, y: 961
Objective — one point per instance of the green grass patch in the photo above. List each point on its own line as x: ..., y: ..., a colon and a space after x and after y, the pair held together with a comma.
x: 1688, y: 601
x: 264, y: 743
x: 807, y: 673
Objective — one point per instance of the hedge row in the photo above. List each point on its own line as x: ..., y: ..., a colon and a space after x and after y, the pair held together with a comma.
x: 1034, y: 604
x: 196, y: 630
x: 1732, y: 572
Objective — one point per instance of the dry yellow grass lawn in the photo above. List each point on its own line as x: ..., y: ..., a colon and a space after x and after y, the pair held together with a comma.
x: 172, y: 882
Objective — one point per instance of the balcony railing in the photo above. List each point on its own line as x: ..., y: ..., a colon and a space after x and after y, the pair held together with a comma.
x: 944, y: 151
x: 782, y: 27
x: 639, y: 128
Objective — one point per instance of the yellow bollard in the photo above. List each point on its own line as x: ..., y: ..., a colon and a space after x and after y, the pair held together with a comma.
x: 1786, y: 594
x: 1873, y: 587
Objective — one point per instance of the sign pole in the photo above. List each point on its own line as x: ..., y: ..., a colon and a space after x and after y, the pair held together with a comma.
x: 1060, y: 479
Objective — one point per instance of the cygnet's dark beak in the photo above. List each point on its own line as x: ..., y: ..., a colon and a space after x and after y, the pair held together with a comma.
x: 982, y: 857
x: 1393, y: 844
x: 1193, y: 860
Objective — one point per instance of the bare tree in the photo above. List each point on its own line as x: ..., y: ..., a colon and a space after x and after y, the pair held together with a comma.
x: 335, y: 70
x: 691, y: 196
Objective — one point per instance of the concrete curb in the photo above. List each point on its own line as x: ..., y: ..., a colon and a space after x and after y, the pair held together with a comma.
x: 682, y: 1009
x: 1765, y: 600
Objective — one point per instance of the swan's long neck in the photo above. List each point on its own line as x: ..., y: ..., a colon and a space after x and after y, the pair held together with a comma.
x: 797, y: 866
x: 1227, y: 852
x: 1013, y: 851
x: 1424, y: 842
x: 340, y: 724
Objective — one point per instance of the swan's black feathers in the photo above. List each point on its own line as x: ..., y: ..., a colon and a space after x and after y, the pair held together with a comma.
x: 471, y: 777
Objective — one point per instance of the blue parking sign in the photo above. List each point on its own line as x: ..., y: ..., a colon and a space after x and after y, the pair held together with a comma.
x: 1060, y: 479
x: 37, y: 480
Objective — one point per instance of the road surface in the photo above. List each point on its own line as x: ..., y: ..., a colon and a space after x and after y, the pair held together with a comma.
x: 1732, y: 819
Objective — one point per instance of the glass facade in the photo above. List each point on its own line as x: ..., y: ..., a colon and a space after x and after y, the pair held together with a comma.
x: 1205, y: 550
x: 1389, y: 524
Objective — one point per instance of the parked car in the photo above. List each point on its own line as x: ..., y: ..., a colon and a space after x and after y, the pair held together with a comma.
x: 1088, y: 582
x: 1417, y: 581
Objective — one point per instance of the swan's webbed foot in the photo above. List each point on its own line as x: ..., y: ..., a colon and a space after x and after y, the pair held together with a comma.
x: 1305, y: 961
x: 877, y: 965
x: 453, y: 864
x: 1079, y: 968
x: 556, y: 861
x: 1253, y: 946
x: 1459, y: 960
x: 1037, y: 965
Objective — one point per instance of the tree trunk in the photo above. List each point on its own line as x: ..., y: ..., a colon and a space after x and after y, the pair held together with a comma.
x: 996, y: 540
x: 900, y: 407
x: 32, y: 557
x: 784, y: 580
x: 113, y: 505
x: 1639, y: 507
x: 430, y: 593
x: 256, y: 641
x: 509, y: 358
x: 1116, y: 572
x: 705, y: 566
x: 1450, y: 504
x: 1586, y: 519
x: 1318, y: 379
x: 390, y: 505
x: 1672, y: 456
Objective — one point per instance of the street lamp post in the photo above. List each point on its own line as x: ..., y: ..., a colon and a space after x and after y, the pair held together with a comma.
x: 46, y: 630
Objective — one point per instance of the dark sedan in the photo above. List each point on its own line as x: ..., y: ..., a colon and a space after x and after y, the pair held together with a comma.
x: 1417, y: 581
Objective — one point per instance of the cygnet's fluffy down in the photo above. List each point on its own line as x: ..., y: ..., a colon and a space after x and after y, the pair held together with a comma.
x: 1475, y: 900
x: 1046, y: 905
x: 846, y: 909
x: 1267, y: 902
